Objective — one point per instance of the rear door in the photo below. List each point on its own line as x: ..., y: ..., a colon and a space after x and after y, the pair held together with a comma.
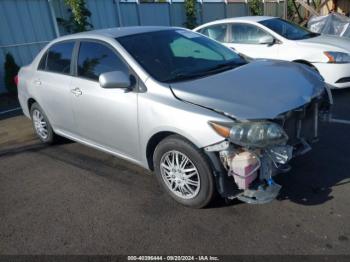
x: 52, y: 85
x: 105, y: 117
x: 245, y: 37
x: 217, y: 32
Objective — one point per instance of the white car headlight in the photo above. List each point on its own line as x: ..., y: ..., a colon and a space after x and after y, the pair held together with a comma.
x: 338, y: 57
x: 252, y: 134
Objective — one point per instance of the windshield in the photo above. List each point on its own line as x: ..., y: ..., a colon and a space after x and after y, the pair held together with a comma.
x: 287, y: 29
x: 176, y: 55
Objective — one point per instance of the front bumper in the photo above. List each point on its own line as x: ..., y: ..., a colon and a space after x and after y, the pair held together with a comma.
x: 300, y: 124
x: 336, y: 75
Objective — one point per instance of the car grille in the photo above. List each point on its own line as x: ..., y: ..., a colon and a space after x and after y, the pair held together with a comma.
x: 301, y: 123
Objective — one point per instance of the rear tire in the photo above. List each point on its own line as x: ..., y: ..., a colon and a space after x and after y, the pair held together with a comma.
x: 184, y: 172
x: 41, y: 125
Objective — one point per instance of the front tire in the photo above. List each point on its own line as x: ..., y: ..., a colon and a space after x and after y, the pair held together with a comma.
x: 184, y: 172
x: 41, y: 125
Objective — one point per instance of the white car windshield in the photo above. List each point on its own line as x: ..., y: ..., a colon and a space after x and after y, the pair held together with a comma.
x: 287, y: 29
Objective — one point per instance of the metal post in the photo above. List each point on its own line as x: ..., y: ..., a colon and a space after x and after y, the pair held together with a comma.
x: 138, y: 12
x: 119, y: 14
x: 54, y: 20
x: 285, y: 10
x: 201, y: 11
x: 170, y: 13
x: 247, y: 11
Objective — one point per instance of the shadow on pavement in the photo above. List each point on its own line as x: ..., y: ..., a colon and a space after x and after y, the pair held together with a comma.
x: 314, y: 175
x: 36, y: 147
x: 22, y: 149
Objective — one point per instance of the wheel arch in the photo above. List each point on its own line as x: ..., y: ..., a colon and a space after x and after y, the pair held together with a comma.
x: 30, y: 102
x: 152, y: 144
x: 158, y: 137
x: 304, y: 62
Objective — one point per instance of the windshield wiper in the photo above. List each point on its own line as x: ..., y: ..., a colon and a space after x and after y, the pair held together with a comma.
x: 180, y: 77
x: 216, y: 69
x: 221, y: 67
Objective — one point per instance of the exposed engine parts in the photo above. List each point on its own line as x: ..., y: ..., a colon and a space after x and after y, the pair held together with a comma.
x: 247, y: 167
x: 252, y: 170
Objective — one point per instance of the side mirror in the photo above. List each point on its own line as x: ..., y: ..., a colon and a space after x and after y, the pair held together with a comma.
x: 115, y: 79
x: 267, y: 40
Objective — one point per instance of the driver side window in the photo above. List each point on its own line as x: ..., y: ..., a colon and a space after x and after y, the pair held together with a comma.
x: 96, y: 58
x: 246, y: 34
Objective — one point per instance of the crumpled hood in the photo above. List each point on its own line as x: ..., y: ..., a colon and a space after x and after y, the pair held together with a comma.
x: 329, y: 41
x: 258, y: 90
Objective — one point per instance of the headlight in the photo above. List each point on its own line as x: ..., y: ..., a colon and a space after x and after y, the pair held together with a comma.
x: 251, y: 134
x: 338, y: 57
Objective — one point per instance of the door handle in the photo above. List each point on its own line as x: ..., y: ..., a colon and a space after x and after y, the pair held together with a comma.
x: 37, y: 82
x: 76, y: 91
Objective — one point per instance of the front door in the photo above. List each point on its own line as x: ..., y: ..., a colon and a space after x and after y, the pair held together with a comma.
x: 105, y: 117
x: 244, y: 38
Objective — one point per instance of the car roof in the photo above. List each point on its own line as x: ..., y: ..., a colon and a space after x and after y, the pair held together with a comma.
x: 255, y: 19
x: 117, y: 32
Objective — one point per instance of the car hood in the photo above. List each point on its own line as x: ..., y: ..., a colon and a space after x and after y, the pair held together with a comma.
x: 257, y: 90
x: 329, y: 41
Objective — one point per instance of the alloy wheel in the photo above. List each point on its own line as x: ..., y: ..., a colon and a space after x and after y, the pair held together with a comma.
x: 180, y: 174
x: 40, y: 124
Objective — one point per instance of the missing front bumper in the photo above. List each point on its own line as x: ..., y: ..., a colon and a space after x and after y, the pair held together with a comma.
x: 262, y: 189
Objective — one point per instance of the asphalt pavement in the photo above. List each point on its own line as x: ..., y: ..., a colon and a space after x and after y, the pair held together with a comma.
x: 71, y: 199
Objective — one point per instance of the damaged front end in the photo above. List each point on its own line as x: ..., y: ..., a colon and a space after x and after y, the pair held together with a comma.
x: 253, y: 152
x: 247, y: 173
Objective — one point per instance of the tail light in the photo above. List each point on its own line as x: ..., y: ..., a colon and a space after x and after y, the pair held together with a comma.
x: 15, y: 79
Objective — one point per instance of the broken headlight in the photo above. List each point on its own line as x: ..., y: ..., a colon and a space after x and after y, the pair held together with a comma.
x: 251, y: 134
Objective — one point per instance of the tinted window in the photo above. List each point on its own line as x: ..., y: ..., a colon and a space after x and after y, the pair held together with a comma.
x: 246, y: 34
x: 59, y: 58
x: 175, y: 55
x: 287, y: 29
x: 42, y: 64
x: 216, y: 32
x: 95, y: 59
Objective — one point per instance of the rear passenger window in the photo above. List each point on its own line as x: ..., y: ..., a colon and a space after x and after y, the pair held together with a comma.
x: 59, y: 58
x: 95, y: 59
x: 216, y: 32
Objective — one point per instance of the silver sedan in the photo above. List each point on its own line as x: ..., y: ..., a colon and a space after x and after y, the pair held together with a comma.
x: 201, y: 117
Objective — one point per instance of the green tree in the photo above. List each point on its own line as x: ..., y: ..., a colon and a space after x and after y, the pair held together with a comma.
x: 256, y: 7
x: 11, y: 70
x: 78, y: 19
x: 190, y: 10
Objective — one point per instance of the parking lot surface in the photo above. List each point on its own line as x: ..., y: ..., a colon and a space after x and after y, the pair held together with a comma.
x: 71, y: 199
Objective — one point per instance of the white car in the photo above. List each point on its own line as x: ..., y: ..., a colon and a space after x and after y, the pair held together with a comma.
x: 274, y: 38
